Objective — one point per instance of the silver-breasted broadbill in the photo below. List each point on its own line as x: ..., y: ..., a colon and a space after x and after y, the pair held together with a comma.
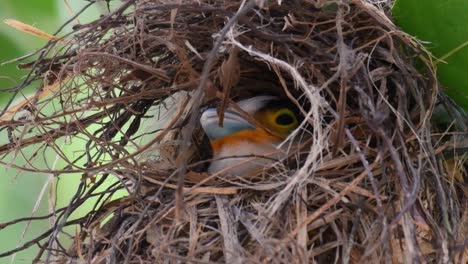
x: 243, y: 143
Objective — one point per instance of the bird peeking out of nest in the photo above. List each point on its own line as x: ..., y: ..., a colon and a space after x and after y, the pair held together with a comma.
x: 249, y: 135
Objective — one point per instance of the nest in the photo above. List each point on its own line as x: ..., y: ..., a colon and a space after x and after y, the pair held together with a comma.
x: 367, y: 178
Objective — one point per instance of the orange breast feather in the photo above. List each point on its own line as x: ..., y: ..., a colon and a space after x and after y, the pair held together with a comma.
x: 258, y: 136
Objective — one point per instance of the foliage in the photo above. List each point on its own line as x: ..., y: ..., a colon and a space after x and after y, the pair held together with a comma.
x: 443, y: 25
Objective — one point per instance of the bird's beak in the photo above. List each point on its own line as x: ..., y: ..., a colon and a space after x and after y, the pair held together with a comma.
x: 232, y: 123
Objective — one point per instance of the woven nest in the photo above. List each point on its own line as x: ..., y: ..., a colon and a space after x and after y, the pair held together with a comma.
x: 367, y: 178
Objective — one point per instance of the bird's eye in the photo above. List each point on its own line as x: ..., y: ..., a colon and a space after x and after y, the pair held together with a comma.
x: 279, y: 120
x: 284, y: 119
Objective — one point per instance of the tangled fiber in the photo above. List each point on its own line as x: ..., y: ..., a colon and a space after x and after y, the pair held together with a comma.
x: 367, y: 179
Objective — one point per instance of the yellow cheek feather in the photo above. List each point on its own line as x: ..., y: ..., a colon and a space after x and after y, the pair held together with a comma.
x: 269, y: 119
x: 257, y: 136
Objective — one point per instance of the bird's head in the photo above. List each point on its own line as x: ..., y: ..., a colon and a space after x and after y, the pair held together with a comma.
x: 269, y: 121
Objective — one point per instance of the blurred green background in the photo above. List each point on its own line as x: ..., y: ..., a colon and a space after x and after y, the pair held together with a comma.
x: 20, y: 191
x: 443, y: 25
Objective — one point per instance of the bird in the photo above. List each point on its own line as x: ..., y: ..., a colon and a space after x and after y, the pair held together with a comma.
x: 241, y: 145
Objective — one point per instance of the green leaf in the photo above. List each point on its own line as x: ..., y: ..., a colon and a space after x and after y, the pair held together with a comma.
x: 32, y: 10
x: 444, y: 24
